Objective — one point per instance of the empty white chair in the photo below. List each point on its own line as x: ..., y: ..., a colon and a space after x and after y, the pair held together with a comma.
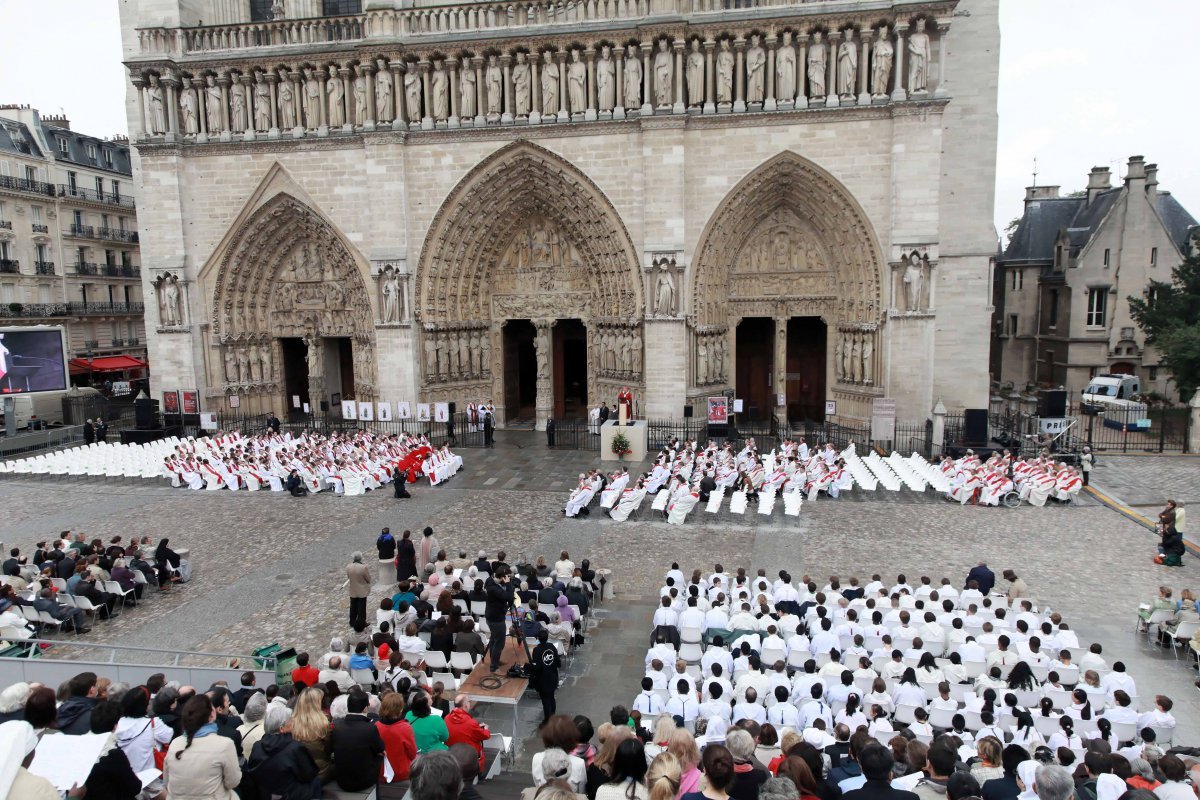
x: 737, y: 502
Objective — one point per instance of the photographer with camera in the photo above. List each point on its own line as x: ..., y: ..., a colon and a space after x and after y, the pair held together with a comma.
x: 500, y: 592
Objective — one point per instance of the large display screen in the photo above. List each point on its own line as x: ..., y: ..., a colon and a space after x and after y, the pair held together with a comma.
x: 32, y: 360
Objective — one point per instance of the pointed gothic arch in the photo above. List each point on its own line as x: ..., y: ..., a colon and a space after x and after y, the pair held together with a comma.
x: 286, y: 272
x: 526, y: 235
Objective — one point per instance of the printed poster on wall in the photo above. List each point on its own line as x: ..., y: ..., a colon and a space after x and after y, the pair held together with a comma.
x: 403, y: 410
x: 366, y: 411
x: 234, y: 401
x: 208, y: 421
x: 422, y: 412
x: 385, y: 412
x: 191, y: 402
x: 349, y: 409
x: 441, y: 412
x: 718, y: 410
x: 170, y: 402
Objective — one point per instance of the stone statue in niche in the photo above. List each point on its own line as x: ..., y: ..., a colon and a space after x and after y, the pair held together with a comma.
x: 577, y: 82
x: 467, y: 86
x: 785, y: 69
x: 412, y: 92
x: 485, y: 352
x: 847, y: 71
x: 542, y: 348
x: 633, y: 78
x: 816, y: 66
x: 464, y: 353
x: 212, y: 104
x: 663, y: 72
x: 550, y: 78
x: 495, y: 84
x: 695, y: 75
x: 606, y: 72
x: 756, y: 68
x: 188, y: 104
x: 839, y: 366
x: 360, y: 96
x: 440, y: 83
x: 287, y: 102
x: 237, y: 102
x: 315, y: 354
x: 169, y: 300
x: 855, y: 357
x: 473, y: 352
x: 701, y: 362
x: 255, y: 369
x: 383, y: 93
x: 918, y: 59
x: 881, y: 65
x: 914, y: 281
x: 522, y: 86
x: 312, y: 100
x: 230, y: 365
x: 243, y: 366
x: 337, y: 100
x: 443, y: 355
x: 664, y: 291
x: 868, y: 357
x: 277, y: 10
x: 430, y: 356
x: 725, y: 64
x: 158, y: 119
x: 844, y: 340
x: 262, y: 103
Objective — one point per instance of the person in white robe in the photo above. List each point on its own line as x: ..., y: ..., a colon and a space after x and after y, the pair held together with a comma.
x: 617, y: 483
x: 631, y: 498
x: 682, y: 503
x: 580, y: 497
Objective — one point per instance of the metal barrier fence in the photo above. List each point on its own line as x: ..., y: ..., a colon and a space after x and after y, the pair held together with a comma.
x: 1167, y: 432
x: 573, y: 434
x: 460, y: 433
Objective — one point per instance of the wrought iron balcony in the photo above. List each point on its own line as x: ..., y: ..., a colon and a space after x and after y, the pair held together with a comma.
x: 70, y: 310
x: 82, y: 231
x: 118, y: 342
x: 134, y: 342
x: 91, y: 195
x: 105, y: 308
x: 26, y: 185
x: 86, y: 268
x: 10, y: 265
x: 6, y: 224
x: 91, y: 344
x: 44, y: 267
x: 117, y: 235
x: 38, y: 228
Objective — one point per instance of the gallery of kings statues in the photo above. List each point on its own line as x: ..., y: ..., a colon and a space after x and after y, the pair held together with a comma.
x: 535, y: 203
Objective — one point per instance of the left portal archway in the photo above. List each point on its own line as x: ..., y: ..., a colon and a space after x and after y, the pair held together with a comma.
x: 289, y: 274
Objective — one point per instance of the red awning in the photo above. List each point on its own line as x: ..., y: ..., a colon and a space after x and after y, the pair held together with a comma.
x: 81, y: 366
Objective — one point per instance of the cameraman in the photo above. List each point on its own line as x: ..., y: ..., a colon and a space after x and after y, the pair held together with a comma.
x: 499, y: 590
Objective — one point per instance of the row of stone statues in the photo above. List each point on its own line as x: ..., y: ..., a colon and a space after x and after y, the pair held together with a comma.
x: 459, y: 354
x: 854, y: 359
x: 393, y: 291
x: 710, y: 358
x: 248, y: 364
x: 788, y: 71
x: 619, y: 352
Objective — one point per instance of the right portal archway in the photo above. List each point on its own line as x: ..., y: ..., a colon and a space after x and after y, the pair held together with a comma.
x: 790, y: 244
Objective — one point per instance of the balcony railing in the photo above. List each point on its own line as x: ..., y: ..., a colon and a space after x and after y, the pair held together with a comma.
x: 117, y: 235
x: 118, y: 342
x: 91, y: 344
x: 26, y: 185
x: 86, y: 268
x: 134, y: 342
x: 10, y: 265
x: 107, y: 270
x: 44, y: 267
x: 256, y: 34
x: 6, y: 224
x: 38, y: 228
x: 64, y: 190
x: 69, y: 310
x: 82, y: 231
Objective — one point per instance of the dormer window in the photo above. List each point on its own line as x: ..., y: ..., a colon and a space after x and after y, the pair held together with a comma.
x: 108, y: 162
x: 1058, y: 256
x: 63, y: 147
x: 91, y: 152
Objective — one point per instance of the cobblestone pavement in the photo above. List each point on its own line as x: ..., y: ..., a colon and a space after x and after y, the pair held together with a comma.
x: 1148, y: 481
x: 269, y: 568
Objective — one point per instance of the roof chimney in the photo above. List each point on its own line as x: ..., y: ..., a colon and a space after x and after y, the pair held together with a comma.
x: 1099, y: 179
x: 1151, y: 180
x: 57, y: 121
x: 1040, y: 193
x: 1135, y: 171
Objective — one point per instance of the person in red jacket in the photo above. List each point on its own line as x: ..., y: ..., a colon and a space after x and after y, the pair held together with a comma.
x: 399, y: 742
x: 464, y: 729
x: 303, y: 673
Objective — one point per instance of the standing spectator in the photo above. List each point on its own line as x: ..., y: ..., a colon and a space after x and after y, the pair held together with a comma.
x: 356, y: 747
x: 273, y: 423
x: 279, y: 766
x: 545, y: 661
x: 429, y: 730
x: 499, y: 598
x: 428, y: 548
x: 436, y: 776
x: 983, y: 577
x: 201, y: 763
x: 1086, y: 462
x: 359, y: 579
x: 89, y: 432
x: 406, y: 558
x: 101, y: 431
x: 399, y: 744
x: 464, y: 729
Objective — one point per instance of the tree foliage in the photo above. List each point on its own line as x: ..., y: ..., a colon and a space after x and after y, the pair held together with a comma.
x: 1170, y: 318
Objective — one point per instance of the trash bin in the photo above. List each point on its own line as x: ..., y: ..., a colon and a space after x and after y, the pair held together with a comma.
x: 604, y: 578
x: 285, y: 662
x: 261, y: 654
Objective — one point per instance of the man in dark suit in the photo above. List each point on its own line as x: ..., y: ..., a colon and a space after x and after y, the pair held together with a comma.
x: 708, y: 485
x: 273, y: 423
x: 89, y: 432
x: 356, y: 747
x: 243, y: 694
x: 876, y: 761
x: 545, y: 662
x: 604, y: 413
x: 489, y: 430
x: 45, y: 602
x: 101, y: 430
x: 983, y: 576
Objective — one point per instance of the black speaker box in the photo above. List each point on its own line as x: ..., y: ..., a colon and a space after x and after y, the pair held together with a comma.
x: 687, y: 412
x: 453, y: 408
x: 1052, y: 403
x: 143, y: 413
x: 975, y: 426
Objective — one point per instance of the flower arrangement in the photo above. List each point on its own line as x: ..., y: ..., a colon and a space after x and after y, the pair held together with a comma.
x: 620, y: 445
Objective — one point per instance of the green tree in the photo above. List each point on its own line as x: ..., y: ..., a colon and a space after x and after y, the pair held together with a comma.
x: 1170, y: 318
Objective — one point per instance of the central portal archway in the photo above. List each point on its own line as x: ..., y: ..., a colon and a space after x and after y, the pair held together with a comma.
x: 527, y: 238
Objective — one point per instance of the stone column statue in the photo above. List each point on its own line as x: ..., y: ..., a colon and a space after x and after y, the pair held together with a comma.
x: 493, y: 77
x: 663, y: 74
x: 384, y: 110
x: 238, y: 121
x: 431, y: 363
x: 816, y: 67
x: 695, y: 75
x: 360, y: 97
x: 918, y: 59
x: 856, y: 357
x: 169, y: 297
x: 412, y: 92
x: 262, y: 103
x: 230, y: 362
x: 785, y: 69
x: 287, y: 102
x: 881, y: 64
x: 550, y: 79
x: 522, y: 86
x: 311, y: 100
x: 577, y: 82
x: 440, y: 88
x: 664, y: 292
x: 725, y: 63
x: 868, y: 358
x: 337, y: 99
x: 212, y: 105
x: 756, y: 63
x: 467, y: 89
x: 158, y: 117
x: 606, y: 87
x: 913, y: 279
x: 391, y: 297
x: 188, y: 107
x: 633, y: 78
x: 847, y: 71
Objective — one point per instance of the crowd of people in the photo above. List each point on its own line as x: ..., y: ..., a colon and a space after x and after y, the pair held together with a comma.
x: 64, y: 579
x: 1035, y: 480
x: 307, y: 463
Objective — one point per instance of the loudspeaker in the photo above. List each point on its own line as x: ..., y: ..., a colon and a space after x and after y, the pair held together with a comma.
x: 453, y: 408
x: 324, y: 406
x: 1052, y: 403
x: 975, y: 426
x: 687, y: 412
x: 143, y: 413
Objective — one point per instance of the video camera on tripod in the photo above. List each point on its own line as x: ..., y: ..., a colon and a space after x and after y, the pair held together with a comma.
x: 519, y: 670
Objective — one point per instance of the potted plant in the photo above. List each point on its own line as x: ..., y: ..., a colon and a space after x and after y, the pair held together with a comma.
x: 620, y: 446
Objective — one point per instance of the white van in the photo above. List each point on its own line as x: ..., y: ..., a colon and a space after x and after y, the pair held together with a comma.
x: 47, y: 406
x: 1106, y: 388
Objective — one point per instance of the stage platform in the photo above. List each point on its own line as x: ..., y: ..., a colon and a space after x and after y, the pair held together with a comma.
x: 484, y: 686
